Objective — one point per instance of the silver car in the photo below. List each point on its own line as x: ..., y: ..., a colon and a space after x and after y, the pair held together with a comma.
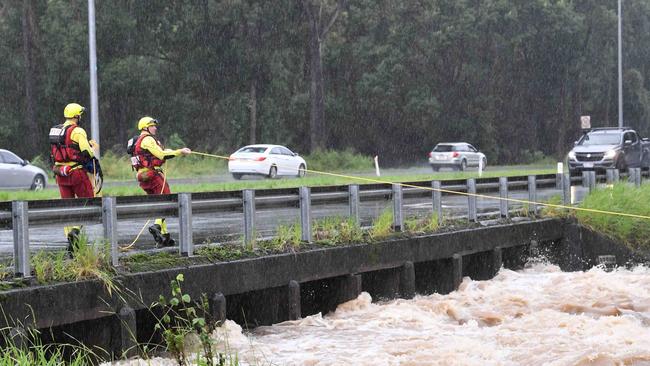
x: 16, y: 173
x: 455, y: 155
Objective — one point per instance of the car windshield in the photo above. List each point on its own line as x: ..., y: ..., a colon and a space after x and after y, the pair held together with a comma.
x: 600, y: 139
x: 445, y: 148
x: 252, y: 149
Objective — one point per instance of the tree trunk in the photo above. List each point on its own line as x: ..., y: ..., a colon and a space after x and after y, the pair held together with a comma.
x: 252, y: 105
x: 317, y: 114
x: 28, y: 24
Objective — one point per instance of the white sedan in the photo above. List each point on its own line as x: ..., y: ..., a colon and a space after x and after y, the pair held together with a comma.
x: 267, y: 160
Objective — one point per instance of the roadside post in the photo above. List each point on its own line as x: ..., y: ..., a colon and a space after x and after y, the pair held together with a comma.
x: 398, y: 220
x: 437, y: 200
x: 503, y: 194
x: 532, y: 194
x: 20, y: 226
x: 248, y: 200
x: 471, y: 200
x: 353, y: 192
x: 558, y: 175
x: 305, y: 214
x: 185, y: 222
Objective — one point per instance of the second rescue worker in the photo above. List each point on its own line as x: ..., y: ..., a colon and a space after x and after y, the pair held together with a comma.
x: 147, y: 158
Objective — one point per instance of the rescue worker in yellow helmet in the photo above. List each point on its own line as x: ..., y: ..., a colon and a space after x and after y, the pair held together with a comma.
x: 70, y: 151
x: 148, y: 155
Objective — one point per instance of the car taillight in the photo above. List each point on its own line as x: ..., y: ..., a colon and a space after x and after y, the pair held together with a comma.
x: 261, y: 158
x: 455, y: 154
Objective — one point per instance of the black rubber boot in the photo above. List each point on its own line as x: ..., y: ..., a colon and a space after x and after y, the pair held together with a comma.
x: 168, y: 241
x: 73, y: 241
x: 157, y: 235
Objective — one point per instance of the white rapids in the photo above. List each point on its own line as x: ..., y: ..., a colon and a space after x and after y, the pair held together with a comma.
x: 538, y: 316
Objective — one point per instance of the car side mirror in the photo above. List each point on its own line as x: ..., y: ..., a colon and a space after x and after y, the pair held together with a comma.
x: 25, y: 162
x: 575, y: 143
x: 295, y: 154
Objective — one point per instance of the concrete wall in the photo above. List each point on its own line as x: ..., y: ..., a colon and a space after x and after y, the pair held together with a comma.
x: 272, y: 289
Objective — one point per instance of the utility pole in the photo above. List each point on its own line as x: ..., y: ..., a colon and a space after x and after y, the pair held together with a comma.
x: 620, y: 67
x: 92, y: 53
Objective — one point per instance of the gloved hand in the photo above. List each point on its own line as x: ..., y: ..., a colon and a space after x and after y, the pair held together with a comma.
x: 93, y: 166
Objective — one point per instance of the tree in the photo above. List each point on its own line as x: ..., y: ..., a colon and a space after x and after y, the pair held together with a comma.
x: 319, y: 23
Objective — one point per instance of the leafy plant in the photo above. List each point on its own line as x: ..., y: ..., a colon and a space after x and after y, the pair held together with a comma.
x: 553, y: 211
x: 422, y: 225
x: 180, y: 319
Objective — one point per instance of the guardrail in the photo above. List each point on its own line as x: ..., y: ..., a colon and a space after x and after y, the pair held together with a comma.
x: 18, y: 215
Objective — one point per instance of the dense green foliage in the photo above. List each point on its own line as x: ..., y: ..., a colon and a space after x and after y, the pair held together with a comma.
x: 510, y: 76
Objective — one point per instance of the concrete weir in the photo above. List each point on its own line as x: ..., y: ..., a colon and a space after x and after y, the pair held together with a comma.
x: 267, y: 290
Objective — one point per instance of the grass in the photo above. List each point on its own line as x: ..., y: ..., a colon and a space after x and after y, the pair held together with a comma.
x: 311, y: 180
x: 26, y: 348
x: 382, y: 226
x: 89, y: 262
x: 428, y: 224
x: 624, y: 198
x: 337, y: 230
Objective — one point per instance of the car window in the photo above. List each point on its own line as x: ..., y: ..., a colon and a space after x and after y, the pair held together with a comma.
x: 10, y: 158
x: 630, y: 136
x: 286, y: 151
x: 460, y: 148
x: 443, y: 148
x: 276, y: 151
x: 472, y: 148
x: 600, y: 138
x: 252, y: 149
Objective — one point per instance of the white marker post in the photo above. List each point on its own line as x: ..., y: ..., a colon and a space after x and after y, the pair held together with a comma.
x: 377, y: 165
x: 480, y: 167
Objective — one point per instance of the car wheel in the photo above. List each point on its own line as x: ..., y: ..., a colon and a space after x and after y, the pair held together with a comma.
x: 237, y: 176
x: 38, y: 184
x: 463, y: 166
x: 301, y: 171
x: 273, y: 172
x: 435, y: 168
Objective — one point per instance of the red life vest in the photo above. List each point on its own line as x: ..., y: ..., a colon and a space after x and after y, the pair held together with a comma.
x: 63, y: 149
x: 142, y: 158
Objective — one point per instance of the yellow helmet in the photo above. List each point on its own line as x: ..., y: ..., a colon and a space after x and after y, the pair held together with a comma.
x: 73, y: 110
x: 146, y: 122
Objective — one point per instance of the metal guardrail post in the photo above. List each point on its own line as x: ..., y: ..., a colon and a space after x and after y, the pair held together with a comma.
x: 617, y: 175
x: 305, y: 213
x: 592, y: 180
x: 20, y: 218
x: 398, y: 220
x: 109, y: 221
x: 503, y: 194
x: 249, y: 216
x: 637, y: 177
x: 585, y: 179
x: 471, y: 200
x: 566, y: 189
x: 558, y: 175
x: 353, y: 190
x: 610, y: 176
x: 437, y: 200
x: 185, y: 223
x: 532, y: 194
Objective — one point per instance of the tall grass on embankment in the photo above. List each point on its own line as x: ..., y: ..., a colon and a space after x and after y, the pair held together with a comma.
x: 624, y: 198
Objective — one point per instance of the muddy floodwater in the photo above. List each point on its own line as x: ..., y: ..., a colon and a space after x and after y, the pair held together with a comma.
x: 537, y: 316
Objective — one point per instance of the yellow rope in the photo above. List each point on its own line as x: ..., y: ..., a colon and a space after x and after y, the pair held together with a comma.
x: 128, y: 247
x: 371, y: 180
